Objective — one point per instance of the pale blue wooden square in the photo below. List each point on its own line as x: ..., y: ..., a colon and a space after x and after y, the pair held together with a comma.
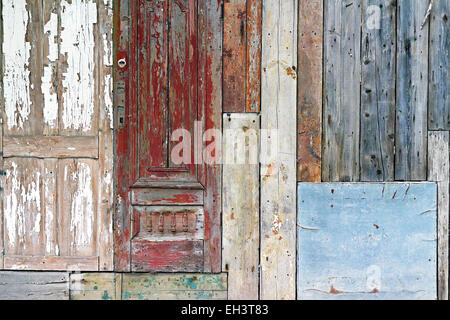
x: 367, y: 241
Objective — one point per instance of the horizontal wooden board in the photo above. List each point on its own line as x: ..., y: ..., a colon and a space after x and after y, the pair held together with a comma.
x: 167, y: 256
x: 174, y: 286
x: 51, y: 263
x: 367, y: 241
x: 147, y: 197
x: 51, y: 147
x: 95, y: 286
x: 34, y: 285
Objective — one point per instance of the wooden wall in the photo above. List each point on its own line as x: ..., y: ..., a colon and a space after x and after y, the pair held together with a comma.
x: 57, y: 135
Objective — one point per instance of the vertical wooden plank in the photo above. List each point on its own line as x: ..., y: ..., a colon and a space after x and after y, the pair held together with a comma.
x: 439, y: 82
x: 106, y: 132
x: 50, y: 67
x: 342, y: 90
x: 240, y: 214
x: 78, y: 68
x: 2, y: 179
x: 253, y: 79
x: 439, y: 171
x: 234, y: 55
x: 377, y: 90
x: 412, y: 91
x: 278, y: 169
x: 210, y: 106
x: 310, y: 67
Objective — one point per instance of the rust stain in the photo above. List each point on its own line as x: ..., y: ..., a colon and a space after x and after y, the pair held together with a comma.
x: 290, y: 71
x: 335, y: 291
x: 376, y: 226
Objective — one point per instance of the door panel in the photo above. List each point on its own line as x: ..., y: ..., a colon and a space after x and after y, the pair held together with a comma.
x: 167, y: 209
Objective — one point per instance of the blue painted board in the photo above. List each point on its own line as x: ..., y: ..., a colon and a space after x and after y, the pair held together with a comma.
x: 367, y: 241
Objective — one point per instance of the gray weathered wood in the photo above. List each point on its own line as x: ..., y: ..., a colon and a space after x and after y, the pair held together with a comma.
x: 34, y: 285
x: 412, y: 91
x: 439, y: 82
x: 342, y: 90
x: 240, y: 214
x: 377, y: 90
x: 278, y: 167
x: 439, y: 171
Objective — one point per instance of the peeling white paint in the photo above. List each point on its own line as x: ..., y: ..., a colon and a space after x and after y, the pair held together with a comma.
x: 108, y: 99
x: 107, y: 43
x: 49, y: 214
x: 82, y: 207
x: 16, y: 78
x: 78, y: 45
x: 48, y: 87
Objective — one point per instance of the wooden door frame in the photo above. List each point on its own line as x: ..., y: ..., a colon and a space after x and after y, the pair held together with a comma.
x: 210, y: 23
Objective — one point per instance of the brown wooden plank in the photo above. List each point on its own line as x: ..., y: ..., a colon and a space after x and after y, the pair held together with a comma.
x: 167, y: 256
x: 342, y: 77
x: 310, y: 38
x: 51, y: 263
x: 104, y: 42
x: 412, y: 92
x: 253, y: 84
x: 240, y: 213
x: 234, y: 55
x: 439, y: 171
x: 51, y: 147
x: 34, y: 285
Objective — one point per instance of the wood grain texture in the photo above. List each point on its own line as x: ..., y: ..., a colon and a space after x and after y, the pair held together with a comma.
x: 439, y: 81
x: 148, y: 197
x: 439, y: 171
x: 240, y: 213
x: 412, y: 92
x: 342, y: 73
x: 377, y: 90
x: 2, y: 179
x: 310, y: 67
x: 185, y: 286
x: 51, y: 147
x: 95, y: 286
x: 234, y: 55
x: 34, y: 285
x: 367, y: 241
x: 278, y: 168
x: 253, y: 79
x: 58, y: 263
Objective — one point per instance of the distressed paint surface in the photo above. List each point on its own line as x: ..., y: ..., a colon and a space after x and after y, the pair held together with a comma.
x: 439, y: 171
x: 174, y: 287
x: 95, y: 286
x: 310, y: 66
x: 34, y: 285
x: 278, y: 169
x: 240, y: 213
x: 16, y: 70
x: 367, y: 241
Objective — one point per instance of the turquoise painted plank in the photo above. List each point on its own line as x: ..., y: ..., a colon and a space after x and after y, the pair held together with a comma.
x: 367, y: 241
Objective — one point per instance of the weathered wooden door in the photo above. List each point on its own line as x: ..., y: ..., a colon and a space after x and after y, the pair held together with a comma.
x: 168, y: 85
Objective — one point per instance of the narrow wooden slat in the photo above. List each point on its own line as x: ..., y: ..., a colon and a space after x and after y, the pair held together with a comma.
x: 342, y: 90
x: 310, y: 66
x: 34, y: 286
x: 253, y: 84
x: 377, y: 90
x: 104, y: 42
x: 51, y: 147
x: 439, y: 171
x: 240, y: 213
x: 2, y: 179
x: 51, y: 263
x: 95, y: 286
x: 278, y: 168
x: 439, y: 81
x: 146, y: 197
x: 412, y: 91
x: 234, y: 55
